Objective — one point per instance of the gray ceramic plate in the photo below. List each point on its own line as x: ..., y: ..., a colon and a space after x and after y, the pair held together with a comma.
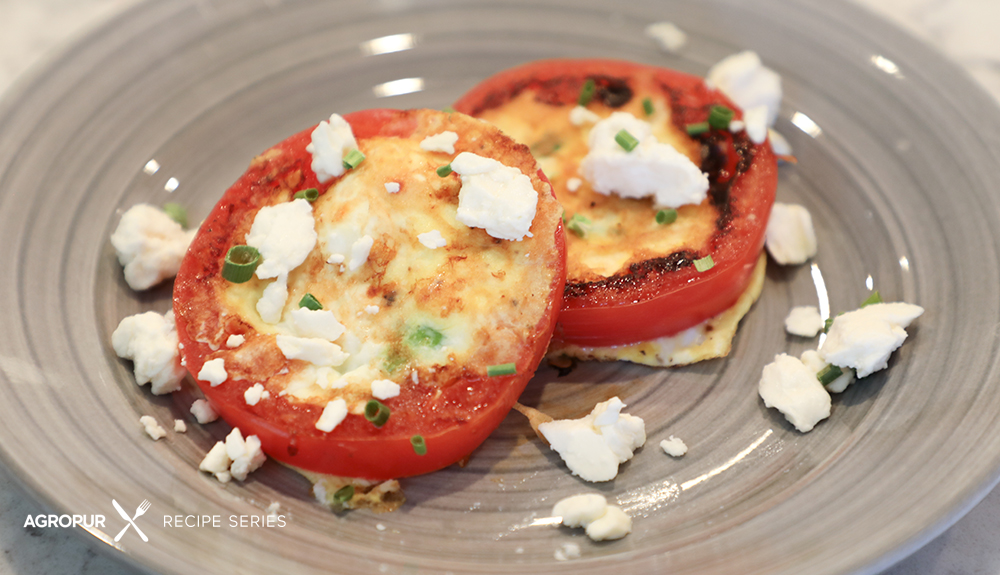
x: 898, y: 162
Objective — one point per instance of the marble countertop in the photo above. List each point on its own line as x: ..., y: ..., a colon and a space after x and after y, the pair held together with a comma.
x: 30, y: 30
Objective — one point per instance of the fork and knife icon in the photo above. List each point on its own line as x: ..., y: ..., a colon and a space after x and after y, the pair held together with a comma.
x: 143, y: 507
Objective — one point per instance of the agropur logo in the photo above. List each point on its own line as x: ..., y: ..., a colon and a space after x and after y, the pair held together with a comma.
x: 91, y: 521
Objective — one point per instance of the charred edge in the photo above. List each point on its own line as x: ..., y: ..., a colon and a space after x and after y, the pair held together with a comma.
x: 714, y: 162
x: 637, y: 273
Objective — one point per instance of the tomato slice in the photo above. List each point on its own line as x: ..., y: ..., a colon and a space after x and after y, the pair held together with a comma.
x: 652, y: 294
x: 453, y: 405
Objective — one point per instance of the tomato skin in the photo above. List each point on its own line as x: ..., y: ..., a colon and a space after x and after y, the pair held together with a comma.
x: 453, y: 417
x: 653, y: 301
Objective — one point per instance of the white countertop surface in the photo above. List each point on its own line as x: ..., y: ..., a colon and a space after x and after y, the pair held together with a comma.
x: 964, y: 30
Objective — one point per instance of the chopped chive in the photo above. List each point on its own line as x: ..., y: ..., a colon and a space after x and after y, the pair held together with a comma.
x: 176, y: 213
x: 664, y: 217
x: 697, y: 128
x: 578, y: 224
x: 419, y: 445
x: 444, y: 170
x: 426, y: 336
x: 647, y: 106
x: 344, y: 494
x: 353, y: 159
x: 875, y: 297
x: 626, y: 140
x: 376, y: 412
x: 719, y: 117
x: 309, y: 195
x: 828, y: 374
x: 502, y: 369
x: 828, y: 324
x: 310, y: 301
x: 586, y: 92
x: 704, y: 264
x: 448, y: 109
x: 240, y: 263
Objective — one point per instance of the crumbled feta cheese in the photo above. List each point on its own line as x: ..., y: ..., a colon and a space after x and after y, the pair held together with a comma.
x: 284, y: 234
x: 180, y: 426
x: 804, y: 321
x: 330, y: 141
x: 567, y: 551
x: 255, y: 393
x: 495, y: 197
x: 384, y: 389
x: 312, y: 349
x: 152, y: 428
x: 334, y: 412
x: 737, y: 126
x: 594, y: 445
x: 213, y: 371
x: 319, y: 323
x: 674, y: 447
x: 371, y: 309
x: 815, y: 363
x: 150, y: 341
x: 235, y: 340
x: 246, y: 455
x: 652, y: 168
x: 443, y: 142
x: 779, y: 144
x: 360, y: 251
x: 864, y: 339
x: 791, y: 387
x: 790, y: 238
x: 203, y: 411
x: 432, y: 239
x: 580, y: 115
x: 667, y: 36
x: 150, y: 245
x: 217, y: 462
x: 392, y: 187
x: 336, y: 259
x: 749, y: 83
x: 755, y: 120
x: 591, y: 511
x: 573, y: 184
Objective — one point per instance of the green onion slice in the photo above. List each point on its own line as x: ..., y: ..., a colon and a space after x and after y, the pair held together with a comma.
x: 502, y: 369
x: 376, y: 412
x: 828, y: 374
x: 241, y: 261
x: 309, y: 195
x: 587, y: 92
x: 426, y: 336
x: 875, y: 297
x: 664, y: 217
x: 448, y: 109
x: 828, y: 324
x: 353, y: 159
x: 176, y: 213
x: 647, y: 106
x: 625, y: 140
x: 697, y: 128
x: 704, y: 264
x: 578, y: 224
x: 719, y: 117
x: 344, y: 494
x: 419, y: 445
x: 310, y: 301
x: 444, y: 171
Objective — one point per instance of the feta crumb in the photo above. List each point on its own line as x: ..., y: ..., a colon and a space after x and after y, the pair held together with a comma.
x: 674, y: 447
x: 815, y: 363
x: 235, y: 340
x: 150, y: 245
x: 150, y: 341
x: 573, y: 184
x: 737, y: 126
x: 591, y: 511
x: 749, y: 83
x: 203, y: 411
x: 432, y: 239
x: 380, y: 527
x: 246, y: 455
x: 330, y: 141
x: 495, y: 197
x: 273, y: 508
x: 779, y: 144
x: 652, y: 168
x: 152, y: 428
x: 180, y: 426
x: 567, y: 551
x: 312, y: 349
x: 392, y: 187
x: 755, y: 120
x: 791, y: 387
x: 319, y: 323
x: 580, y: 115
x: 334, y: 412
x: 213, y: 371
x: 371, y: 309
x: 217, y: 462
x: 360, y: 250
x: 790, y: 237
x: 804, y: 321
x: 443, y: 142
x: 384, y: 389
x: 667, y: 36
x: 864, y: 339
x: 614, y: 524
x: 284, y: 234
x: 254, y: 394
x: 336, y: 259
x: 594, y: 446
